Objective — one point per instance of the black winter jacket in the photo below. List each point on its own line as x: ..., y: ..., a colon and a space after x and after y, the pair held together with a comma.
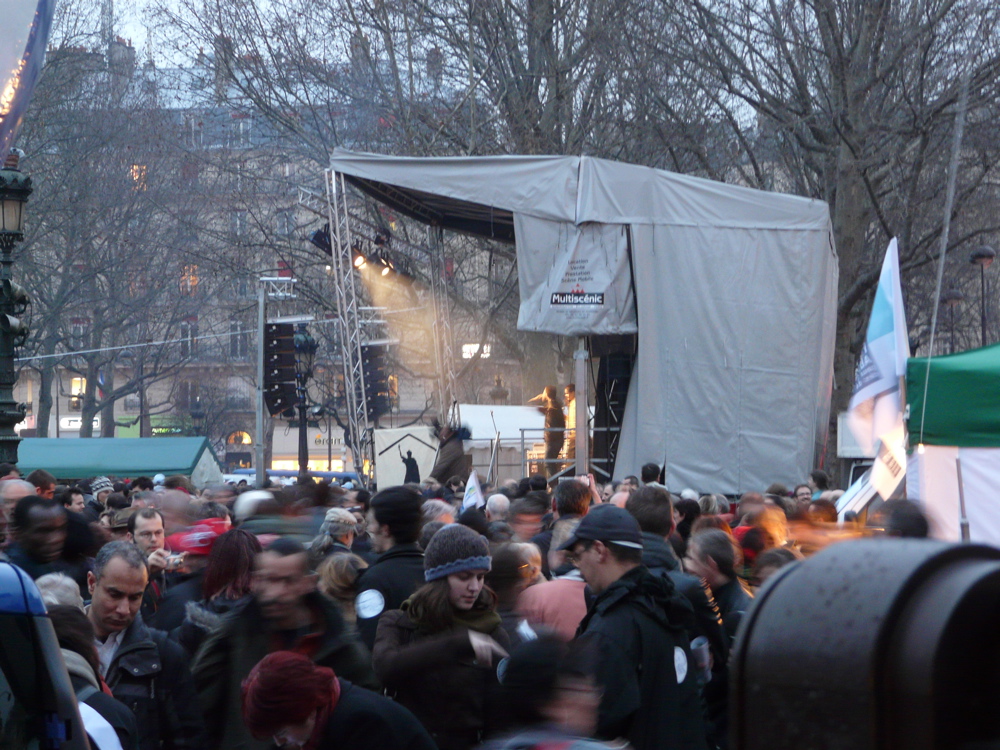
x: 659, y: 559
x: 363, y: 720
x: 243, y: 639
x: 170, y: 611
x: 149, y: 674
x: 638, y: 627
x: 388, y: 583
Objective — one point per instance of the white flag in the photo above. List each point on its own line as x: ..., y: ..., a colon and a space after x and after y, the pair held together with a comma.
x: 876, y: 408
x: 473, y: 493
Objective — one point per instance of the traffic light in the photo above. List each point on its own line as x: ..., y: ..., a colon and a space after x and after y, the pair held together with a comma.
x: 279, y: 369
x: 13, y: 299
x: 373, y: 364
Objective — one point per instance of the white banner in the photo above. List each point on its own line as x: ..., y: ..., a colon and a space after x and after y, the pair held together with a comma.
x: 404, y: 451
x: 574, y: 279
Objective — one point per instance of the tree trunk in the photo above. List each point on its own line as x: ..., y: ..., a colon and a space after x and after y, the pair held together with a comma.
x: 46, y: 377
x: 89, y: 408
x: 108, y: 412
x: 851, y: 217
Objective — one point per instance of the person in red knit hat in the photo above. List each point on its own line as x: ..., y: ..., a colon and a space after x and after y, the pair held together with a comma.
x: 300, y: 705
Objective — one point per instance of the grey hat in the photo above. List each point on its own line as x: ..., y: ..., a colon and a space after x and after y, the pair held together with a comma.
x: 338, y: 521
x: 454, y: 549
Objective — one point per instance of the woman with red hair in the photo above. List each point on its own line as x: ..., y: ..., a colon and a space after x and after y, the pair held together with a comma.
x: 226, y: 587
x: 300, y: 705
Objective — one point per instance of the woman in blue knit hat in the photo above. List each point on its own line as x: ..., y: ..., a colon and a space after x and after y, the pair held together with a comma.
x: 437, y: 654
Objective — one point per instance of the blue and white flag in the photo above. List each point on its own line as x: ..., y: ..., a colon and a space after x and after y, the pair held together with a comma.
x: 875, y: 415
x: 473, y: 493
x: 24, y: 32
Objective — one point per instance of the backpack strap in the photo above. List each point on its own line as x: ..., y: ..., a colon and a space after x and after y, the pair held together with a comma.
x: 85, y: 692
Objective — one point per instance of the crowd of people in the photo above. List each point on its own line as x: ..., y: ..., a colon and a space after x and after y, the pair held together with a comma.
x: 313, y: 617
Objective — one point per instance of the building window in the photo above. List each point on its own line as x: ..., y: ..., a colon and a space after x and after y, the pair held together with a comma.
x: 239, y: 223
x: 239, y: 340
x: 243, y: 288
x: 239, y: 438
x: 77, y: 389
x: 239, y: 395
x: 285, y: 223
x: 470, y: 350
x: 137, y: 283
x: 138, y: 173
x: 132, y: 402
x: 189, y: 337
x: 186, y: 395
x: 189, y: 279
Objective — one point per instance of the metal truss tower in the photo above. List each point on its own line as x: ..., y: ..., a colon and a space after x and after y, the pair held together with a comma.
x: 349, y: 326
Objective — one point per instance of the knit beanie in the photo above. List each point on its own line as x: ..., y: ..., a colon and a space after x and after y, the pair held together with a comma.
x: 453, y: 549
x: 100, y: 484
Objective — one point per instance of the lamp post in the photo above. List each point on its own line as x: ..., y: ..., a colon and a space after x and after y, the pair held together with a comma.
x: 982, y: 257
x: 305, y: 355
x: 197, y: 416
x: 498, y: 393
x: 15, y: 187
x: 952, y: 299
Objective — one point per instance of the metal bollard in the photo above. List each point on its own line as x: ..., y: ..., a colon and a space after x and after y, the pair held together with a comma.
x: 877, y: 644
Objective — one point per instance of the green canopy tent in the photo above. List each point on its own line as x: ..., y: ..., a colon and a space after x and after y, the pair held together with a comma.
x: 121, y: 457
x: 960, y: 424
x: 963, y: 399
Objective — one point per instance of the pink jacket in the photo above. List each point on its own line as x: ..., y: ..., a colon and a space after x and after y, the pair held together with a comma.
x: 558, y: 604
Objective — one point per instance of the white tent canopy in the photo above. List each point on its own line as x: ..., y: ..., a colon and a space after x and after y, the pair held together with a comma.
x: 732, y: 292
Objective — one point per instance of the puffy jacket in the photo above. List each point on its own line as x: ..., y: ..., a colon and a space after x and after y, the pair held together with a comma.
x: 149, y: 674
x: 389, y: 582
x: 435, y: 677
x: 228, y: 654
x: 638, y: 627
x: 202, y: 618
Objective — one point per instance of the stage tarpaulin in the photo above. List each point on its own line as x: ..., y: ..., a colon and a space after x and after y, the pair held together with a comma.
x: 732, y: 291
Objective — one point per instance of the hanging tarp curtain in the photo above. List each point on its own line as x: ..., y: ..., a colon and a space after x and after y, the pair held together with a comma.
x: 734, y: 298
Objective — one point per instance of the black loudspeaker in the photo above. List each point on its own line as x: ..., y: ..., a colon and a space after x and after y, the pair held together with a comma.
x: 613, y: 376
x: 876, y: 644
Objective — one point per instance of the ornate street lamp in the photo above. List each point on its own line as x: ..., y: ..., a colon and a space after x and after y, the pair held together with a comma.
x: 983, y: 257
x: 15, y: 187
x: 197, y: 416
x: 305, y: 355
x: 498, y: 393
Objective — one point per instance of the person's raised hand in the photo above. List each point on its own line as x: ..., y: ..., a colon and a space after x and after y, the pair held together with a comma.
x: 485, y: 648
x: 157, y: 561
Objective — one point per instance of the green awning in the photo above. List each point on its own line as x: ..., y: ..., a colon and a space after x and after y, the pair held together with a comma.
x: 80, y: 458
x: 963, y: 399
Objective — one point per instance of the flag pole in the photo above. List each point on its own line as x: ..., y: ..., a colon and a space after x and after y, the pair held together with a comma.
x: 963, y: 519
x: 949, y: 202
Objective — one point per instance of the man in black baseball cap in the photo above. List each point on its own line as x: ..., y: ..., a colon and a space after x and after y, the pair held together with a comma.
x: 638, y: 626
